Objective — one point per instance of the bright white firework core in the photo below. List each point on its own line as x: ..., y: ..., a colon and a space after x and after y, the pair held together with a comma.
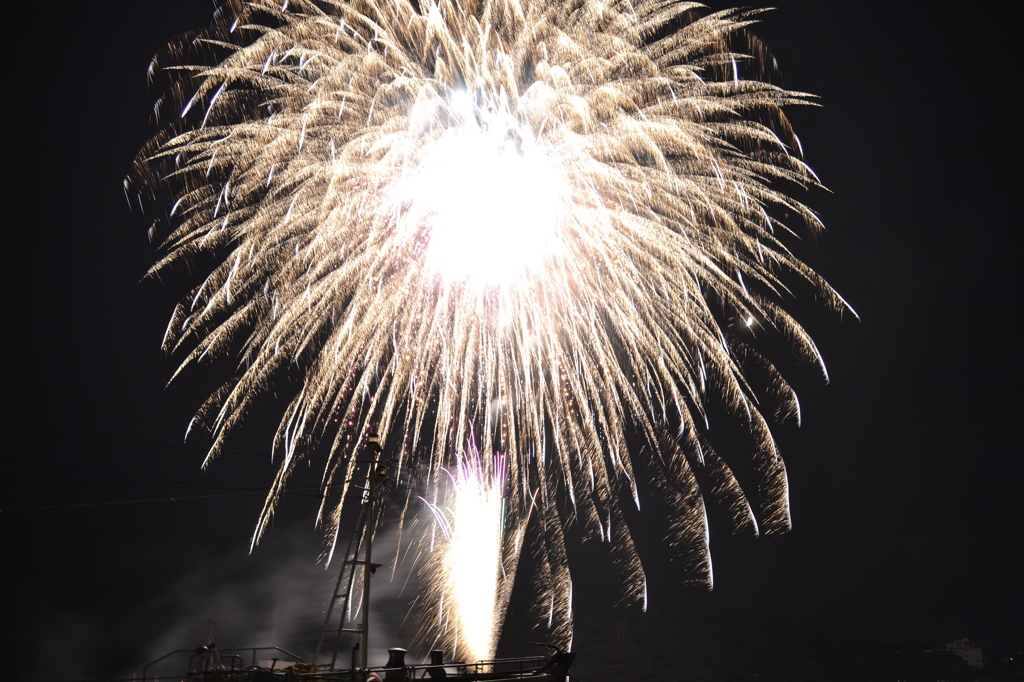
x: 487, y: 198
x: 472, y: 557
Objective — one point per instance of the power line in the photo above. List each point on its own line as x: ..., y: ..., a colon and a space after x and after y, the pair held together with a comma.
x: 177, y: 498
x: 113, y: 474
x: 125, y: 441
x: 20, y: 474
x: 153, y: 499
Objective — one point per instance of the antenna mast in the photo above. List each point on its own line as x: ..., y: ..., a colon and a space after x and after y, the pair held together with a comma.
x: 359, y: 543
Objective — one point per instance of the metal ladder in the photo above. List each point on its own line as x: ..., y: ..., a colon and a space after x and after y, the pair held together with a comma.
x: 359, y: 543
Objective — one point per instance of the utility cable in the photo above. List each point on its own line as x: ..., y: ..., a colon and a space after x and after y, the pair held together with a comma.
x: 125, y: 441
x: 176, y: 498
x: 113, y: 474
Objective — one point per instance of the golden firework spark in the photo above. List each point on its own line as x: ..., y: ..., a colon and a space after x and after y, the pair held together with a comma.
x: 530, y: 216
x: 471, y: 564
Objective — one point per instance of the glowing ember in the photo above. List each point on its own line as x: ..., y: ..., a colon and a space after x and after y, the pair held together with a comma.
x: 467, y: 577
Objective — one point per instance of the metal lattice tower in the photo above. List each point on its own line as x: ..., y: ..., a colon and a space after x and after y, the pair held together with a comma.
x: 358, y: 557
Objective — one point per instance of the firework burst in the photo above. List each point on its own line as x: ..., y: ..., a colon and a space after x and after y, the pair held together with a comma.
x: 527, y: 217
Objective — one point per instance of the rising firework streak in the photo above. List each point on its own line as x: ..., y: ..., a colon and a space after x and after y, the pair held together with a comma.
x: 471, y: 564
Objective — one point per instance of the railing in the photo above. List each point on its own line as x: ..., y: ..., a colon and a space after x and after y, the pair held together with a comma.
x: 225, y: 653
x: 496, y: 669
x: 294, y: 657
x: 496, y: 666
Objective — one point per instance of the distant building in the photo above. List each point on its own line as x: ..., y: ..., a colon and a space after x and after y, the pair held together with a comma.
x: 974, y: 655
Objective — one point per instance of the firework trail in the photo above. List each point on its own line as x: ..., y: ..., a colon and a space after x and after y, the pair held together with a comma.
x: 532, y: 217
x: 472, y: 563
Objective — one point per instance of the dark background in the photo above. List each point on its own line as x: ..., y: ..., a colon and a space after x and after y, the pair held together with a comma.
x: 905, y: 476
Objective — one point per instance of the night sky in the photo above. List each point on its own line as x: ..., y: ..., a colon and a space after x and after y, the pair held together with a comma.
x: 905, y: 476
